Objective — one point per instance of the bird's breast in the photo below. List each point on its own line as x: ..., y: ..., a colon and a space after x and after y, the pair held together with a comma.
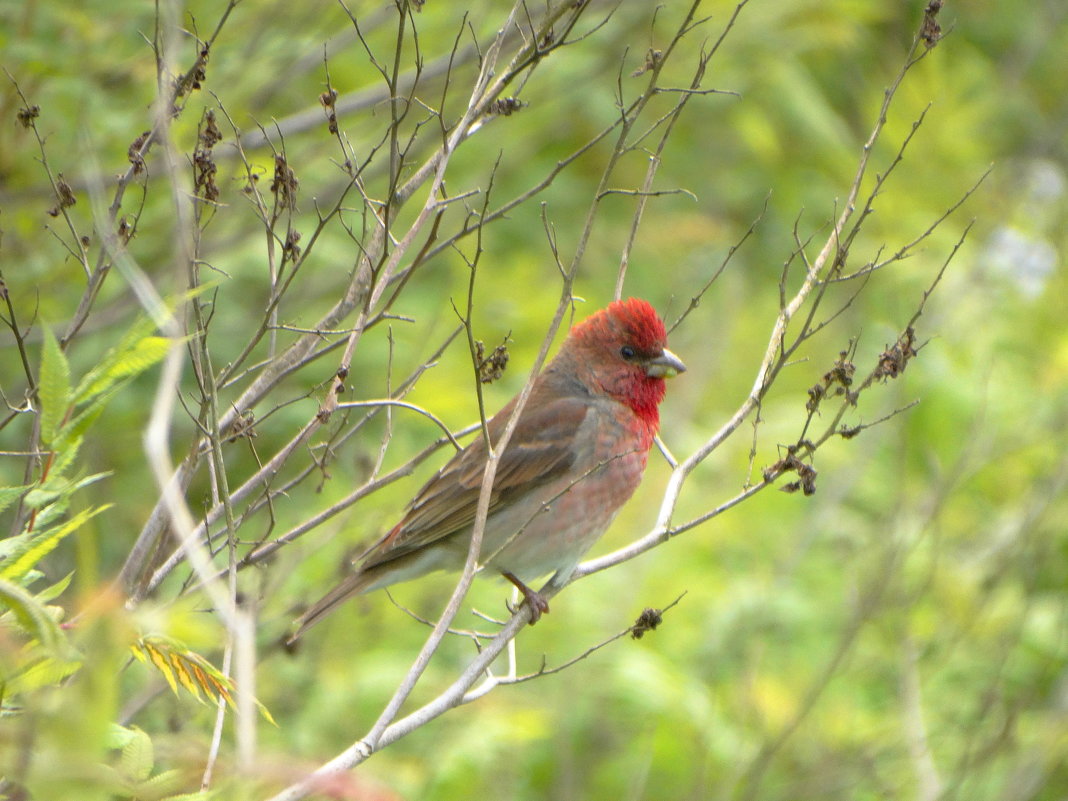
x: 554, y: 525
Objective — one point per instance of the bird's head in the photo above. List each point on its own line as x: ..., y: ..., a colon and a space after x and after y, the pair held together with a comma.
x: 623, y: 353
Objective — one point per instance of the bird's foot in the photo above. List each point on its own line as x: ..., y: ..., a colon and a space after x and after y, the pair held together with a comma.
x: 535, y: 600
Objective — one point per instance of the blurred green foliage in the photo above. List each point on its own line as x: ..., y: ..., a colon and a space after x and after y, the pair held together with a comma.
x: 903, y: 632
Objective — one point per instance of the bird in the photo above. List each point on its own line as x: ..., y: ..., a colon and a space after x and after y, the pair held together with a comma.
x: 577, y: 454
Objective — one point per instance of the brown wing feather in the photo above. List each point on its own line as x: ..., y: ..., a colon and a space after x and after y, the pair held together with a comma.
x: 538, y: 451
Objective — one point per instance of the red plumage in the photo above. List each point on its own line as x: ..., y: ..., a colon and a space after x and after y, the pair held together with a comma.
x: 577, y: 454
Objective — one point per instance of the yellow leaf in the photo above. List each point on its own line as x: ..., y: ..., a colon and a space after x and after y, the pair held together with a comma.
x: 182, y: 671
x: 160, y: 661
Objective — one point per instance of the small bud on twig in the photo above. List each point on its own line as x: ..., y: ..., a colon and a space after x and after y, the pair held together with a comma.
x: 931, y: 31
x: 27, y: 115
x: 491, y: 367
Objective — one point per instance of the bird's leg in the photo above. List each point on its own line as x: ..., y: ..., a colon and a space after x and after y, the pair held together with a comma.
x: 535, y: 600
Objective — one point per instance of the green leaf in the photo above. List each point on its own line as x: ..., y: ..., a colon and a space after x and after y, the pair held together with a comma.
x: 82, y: 483
x: 53, y: 387
x: 70, y: 436
x: 146, y: 353
x: 57, y: 486
x: 138, y: 757
x: 14, y: 545
x: 110, y: 779
x: 202, y: 795
x: 118, y: 736
x: 143, y: 327
x: 265, y: 712
x: 51, y: 512
x: 136, y: 352
x: 45, y: 672
x: 39, y: 544
x: 160, y: 785
x: 8, y: 496
x: 54, y: 591
x: 39, y: 497
x: 31, y: 614
x: 66, y: 450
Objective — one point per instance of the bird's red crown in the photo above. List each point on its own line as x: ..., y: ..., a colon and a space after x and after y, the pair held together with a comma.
x: 633, y: 321
x: 643, y: 325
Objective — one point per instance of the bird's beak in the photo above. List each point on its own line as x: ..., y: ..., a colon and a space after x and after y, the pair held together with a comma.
x: 666, y: 365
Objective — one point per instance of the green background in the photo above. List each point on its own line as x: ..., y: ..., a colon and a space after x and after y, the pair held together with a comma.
x: 922, y: 589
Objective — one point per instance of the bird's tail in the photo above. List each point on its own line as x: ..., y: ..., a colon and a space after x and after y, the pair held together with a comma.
x: 353, y: 585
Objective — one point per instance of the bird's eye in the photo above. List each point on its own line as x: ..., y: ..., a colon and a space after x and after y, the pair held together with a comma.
x: 627, y: 352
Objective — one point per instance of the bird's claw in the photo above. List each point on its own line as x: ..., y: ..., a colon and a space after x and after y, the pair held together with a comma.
x: 535, y: 600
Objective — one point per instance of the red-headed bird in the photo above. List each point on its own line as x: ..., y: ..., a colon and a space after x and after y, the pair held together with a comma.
x: 577, y: 454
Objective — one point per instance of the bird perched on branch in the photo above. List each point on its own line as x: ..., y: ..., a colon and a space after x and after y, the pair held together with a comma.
x: 577, y: 454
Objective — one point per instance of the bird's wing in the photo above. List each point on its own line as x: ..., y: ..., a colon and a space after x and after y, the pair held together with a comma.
x: 540, y: 449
